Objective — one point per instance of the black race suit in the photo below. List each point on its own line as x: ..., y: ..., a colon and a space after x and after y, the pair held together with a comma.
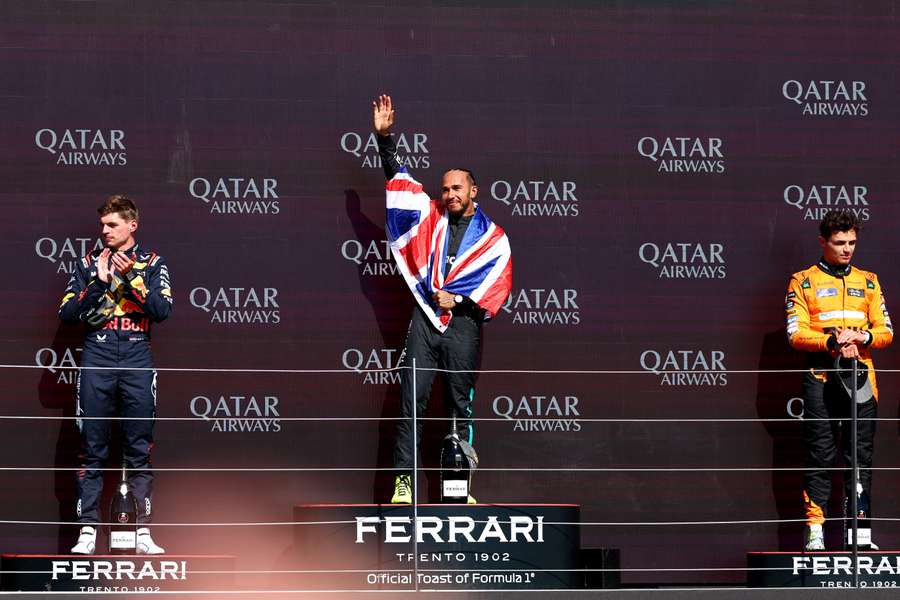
x: 117, y: 317
x: 456, y: 349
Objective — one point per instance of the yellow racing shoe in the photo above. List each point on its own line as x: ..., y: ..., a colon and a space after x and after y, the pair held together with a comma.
x: 402, y: 490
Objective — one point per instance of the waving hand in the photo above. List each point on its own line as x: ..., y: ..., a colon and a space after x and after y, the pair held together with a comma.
x: 383, y: 114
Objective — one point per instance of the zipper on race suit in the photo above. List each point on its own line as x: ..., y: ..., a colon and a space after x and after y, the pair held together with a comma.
x: 844, y: 300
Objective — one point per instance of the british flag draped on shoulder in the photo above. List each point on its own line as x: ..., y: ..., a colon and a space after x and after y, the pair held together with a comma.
x: 417, y: 230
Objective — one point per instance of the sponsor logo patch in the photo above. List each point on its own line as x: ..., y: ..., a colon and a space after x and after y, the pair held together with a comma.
x: 856, y: 292
x: 826, y: 292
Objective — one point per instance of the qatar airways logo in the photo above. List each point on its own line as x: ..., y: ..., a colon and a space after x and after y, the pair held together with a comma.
x: 238, y: 305
x: 683, y: 154
x: 373, y: 257
x: 695, y: 368
x: 537, y: 198
x: 374, y: 364
x: 411, y: 149
x: 543, y: 306
x: 828, y: 98
x: 237, y: 195
x: 816, y: 200
x: 83, y: 147
x: 61, y: 364
x: 684, y: 260
x: 65, y: 253
x: 539, y: 413
x: 238, y: 413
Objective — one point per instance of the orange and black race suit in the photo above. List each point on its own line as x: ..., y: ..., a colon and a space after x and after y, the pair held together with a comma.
x: 822, y: 300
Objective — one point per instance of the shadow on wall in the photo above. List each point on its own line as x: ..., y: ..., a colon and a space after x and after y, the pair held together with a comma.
x: 778, y: 398
x: 56, y: 392
x: 391, y: 304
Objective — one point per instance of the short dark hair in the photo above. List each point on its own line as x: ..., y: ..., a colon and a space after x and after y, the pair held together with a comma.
x: 838, y: 220
x: 469, y: 174
x: 119, y: 203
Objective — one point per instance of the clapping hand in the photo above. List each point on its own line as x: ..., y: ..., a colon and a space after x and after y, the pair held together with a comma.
x: 122, y: 263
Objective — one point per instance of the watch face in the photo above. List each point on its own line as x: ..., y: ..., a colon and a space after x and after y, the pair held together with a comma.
x: 458, y: 299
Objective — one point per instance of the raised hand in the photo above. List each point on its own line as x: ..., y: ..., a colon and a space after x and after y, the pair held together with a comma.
x: 382, y: 114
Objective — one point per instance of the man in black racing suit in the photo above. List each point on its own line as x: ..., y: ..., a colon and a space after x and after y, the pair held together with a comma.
x: 458, y: 348
x: 117, y: 293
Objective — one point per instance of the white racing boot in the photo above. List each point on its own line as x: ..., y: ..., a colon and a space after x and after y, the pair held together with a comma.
x: 145, y: 543
x: 815, y: 538
x: 87, y: 541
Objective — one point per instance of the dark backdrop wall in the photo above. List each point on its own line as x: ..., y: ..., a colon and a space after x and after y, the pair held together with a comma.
x: 659, y: 168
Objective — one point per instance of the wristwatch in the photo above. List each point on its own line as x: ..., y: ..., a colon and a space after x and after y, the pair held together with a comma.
x: 458, y: 299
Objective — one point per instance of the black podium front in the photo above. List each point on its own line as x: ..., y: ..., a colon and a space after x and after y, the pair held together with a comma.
x: 440, y: 546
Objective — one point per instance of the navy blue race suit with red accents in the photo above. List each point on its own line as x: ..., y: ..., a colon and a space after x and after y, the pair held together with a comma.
x: 117, y: 316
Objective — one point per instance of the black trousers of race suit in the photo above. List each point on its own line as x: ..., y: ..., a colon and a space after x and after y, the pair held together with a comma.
x: 115, y: 393
x: 456, y: 350
x: 830, y: 401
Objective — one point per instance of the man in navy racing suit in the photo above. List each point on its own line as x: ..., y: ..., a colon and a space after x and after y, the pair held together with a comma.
x: 117, y: 293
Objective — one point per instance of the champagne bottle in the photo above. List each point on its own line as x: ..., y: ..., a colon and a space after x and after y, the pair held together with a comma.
x: 123, y: 516
x: 455, y: 471
x: 864, y: 523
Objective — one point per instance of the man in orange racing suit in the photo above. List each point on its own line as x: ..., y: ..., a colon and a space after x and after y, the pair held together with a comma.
x: 835, y: 310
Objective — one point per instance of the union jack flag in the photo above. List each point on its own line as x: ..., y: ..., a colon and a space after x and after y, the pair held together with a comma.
x: 417, y: 230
